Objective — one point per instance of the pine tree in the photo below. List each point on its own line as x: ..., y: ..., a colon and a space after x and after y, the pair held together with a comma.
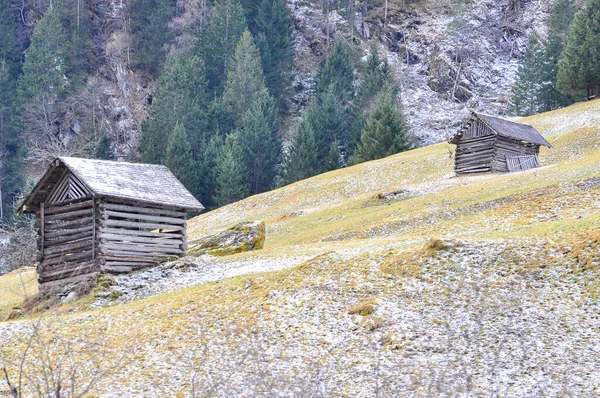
x: 217, y: 42
x: 336, y: 73
x: 11, y: 148
x: 579, y: 65
x: 525, y: 100
x: 326, y: 116
x: 46, y: 67
x: 377, y: 74
x: 178, y: 158
x: 206, y: 170
x: 274, y: 23
x: 245, y: 80
x: 261, y: 143
x: 181, y: 95
x: 149, y: 26
x: 385, y: 131
x: 300, y: 162
x: 230, y: 173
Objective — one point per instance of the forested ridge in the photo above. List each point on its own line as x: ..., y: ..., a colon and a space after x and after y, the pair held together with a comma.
x: 207, y: 88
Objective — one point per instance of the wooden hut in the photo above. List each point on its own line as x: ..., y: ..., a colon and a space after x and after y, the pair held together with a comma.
x: 490, y: 144
x: 98, y: 215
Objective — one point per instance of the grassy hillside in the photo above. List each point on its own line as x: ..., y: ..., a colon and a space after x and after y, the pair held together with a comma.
x: 411, y: 282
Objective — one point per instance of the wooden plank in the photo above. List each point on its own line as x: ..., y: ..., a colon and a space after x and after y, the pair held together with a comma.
x: 139, y: 239
x: 93, y: 229
x: 68, y: 259
x: 70, y: 215
x: 131, y: 224
x: 69, y: 273
x: 57, y: 225
x: 69, y: 232
x: 141, y: 248
x: 65, y: 239
x: 43, y: 223
x: 150, y: 234
x: 47, y: 285
x: 160, y: 219
x: 67, y: 208
x: 68, y: 253
x: 132, y: 254
x: 105, y: 259
x: 141, y: 209
x: 70, y: 246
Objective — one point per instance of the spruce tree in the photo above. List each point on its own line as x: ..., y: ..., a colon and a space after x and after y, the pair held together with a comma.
x: 178, y: 158
x: 206, y: 170
x: 579, y: 65
x: 274, y: 23
x: 326, y: 116
x: 181, y: 95
x: 300, y: 161
x: 336, y: 73
x: 230, y: 173
x: 385, y: 131
x: 525, y: 100
x: 245, y: 80
x: 150, y: 30
x: 11, y: 176
x: 46, y: 67
x: 261, y: 142
x: 217, y: 42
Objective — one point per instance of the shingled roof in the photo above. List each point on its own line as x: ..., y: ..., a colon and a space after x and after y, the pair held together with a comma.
x: 514, y: 130
x: 148, y: 183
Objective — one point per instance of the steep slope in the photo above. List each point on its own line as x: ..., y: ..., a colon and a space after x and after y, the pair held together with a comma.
x: 411, y: 282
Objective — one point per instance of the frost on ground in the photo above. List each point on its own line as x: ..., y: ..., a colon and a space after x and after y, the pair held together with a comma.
x: 182, y: 273
x: 476, y: 319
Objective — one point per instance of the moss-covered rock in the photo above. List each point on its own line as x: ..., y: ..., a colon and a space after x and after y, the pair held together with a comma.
x: 241, y: 237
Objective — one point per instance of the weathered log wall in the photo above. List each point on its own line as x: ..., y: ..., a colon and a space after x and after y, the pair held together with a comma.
x: 476, y: 128
x: 474, y: 155
x: 136, y: 235
x: 508, y: 147
x: 66, y: 241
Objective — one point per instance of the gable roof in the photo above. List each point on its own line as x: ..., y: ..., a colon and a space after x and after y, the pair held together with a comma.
x: 514, y: 130
x: 148, y: 183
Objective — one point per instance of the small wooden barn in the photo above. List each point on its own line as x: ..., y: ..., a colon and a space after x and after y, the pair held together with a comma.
x: 491, y: 144
x: 98, y: 215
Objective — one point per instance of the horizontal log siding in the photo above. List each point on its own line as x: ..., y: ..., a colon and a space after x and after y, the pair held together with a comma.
x: 136, y: 235
x: 507, y: 147
x: 474, y: 155
x: 67, y: 247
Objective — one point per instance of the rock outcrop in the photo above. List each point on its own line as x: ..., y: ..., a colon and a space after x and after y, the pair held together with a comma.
x: 243, y: 236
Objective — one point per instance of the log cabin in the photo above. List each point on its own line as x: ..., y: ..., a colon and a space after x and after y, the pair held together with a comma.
x: 105, y: 216
x: 490, y: 144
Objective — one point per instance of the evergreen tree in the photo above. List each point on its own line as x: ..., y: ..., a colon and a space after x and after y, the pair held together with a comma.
x: 206, y: 170
x: 245, y: 80
x: 11, y: 176
x: 377, y: 73
x: 336, y: 73
x: 181, y: 95
x: 150, y: 30
x: 300, y: 161
x: 178, y: 158
x: 326, y: 116
x: 217, y: 42
x: 385, y: 131
x: 103, y: 151
x: 579, y: 65
x: 261, y: 142
x: 274, y: 23
x: 46, y: 67
x: 77, y: 20
x: 525, y: 100
x: 230, y: 173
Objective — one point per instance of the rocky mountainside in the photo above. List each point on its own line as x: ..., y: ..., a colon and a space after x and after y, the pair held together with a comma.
x: 451, y: 56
